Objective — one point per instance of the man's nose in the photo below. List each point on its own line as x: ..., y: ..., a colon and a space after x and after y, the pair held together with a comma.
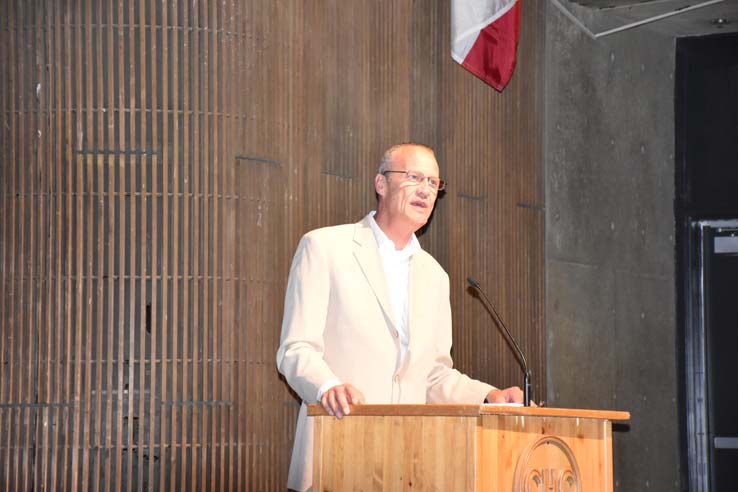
x: 425, y: 185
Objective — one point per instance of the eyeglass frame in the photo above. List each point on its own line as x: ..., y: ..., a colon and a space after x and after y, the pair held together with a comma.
x: 423, y: 177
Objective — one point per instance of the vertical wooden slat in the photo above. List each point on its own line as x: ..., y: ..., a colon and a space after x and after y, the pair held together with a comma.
x: 68, y: 411
x: 167, y: 440
x: 240, y: 379
x: 27, y: 260
x: 87, y: 170
x: 9, y: 225
x: 144, y: 448
x: 98, y: 430
x: 156, y: 448
x: 229, y: 110
x: 226, y: 169
x: 38, y: 334
x: 231, y: 436
x: 119, y: 143
x: 197, y: 224
x: 5, y: 202
x: 187, y: 322
x: 227, y: 236
x: 155, y: 408
x: 211, y: 336
x: 23, y: 325
x: 133, y: 146
x: 9, y: 251
x: 261, y: 458
x: 111, y: 474
x: 6, y: 186
x: 218, y: 246
x: 45, y: 360
x: 173, y: 253
x: 207, y: 296
x: 222, y: 168
x: 78, y: 321
x: 58, y: 323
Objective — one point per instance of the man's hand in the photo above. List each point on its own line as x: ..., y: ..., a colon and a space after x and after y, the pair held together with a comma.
x: 507, y: 395
x: 336, y: 400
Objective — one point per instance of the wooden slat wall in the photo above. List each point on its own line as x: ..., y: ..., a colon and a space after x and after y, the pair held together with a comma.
x: 493, y: 218
x: 159, y: 162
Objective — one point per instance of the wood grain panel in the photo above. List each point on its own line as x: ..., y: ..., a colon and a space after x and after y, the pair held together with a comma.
x: 409, y: 453
x: 463, y: 447
x: 160, y: 161
x: 588, y: 439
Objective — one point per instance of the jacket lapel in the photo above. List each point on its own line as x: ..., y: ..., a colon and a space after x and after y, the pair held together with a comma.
x: 367, y: 254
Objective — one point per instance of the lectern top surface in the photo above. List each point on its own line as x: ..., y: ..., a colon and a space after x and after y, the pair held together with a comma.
x: 451, y: 410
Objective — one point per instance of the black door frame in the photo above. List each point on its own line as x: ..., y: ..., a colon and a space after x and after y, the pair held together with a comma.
x: 695, y: 352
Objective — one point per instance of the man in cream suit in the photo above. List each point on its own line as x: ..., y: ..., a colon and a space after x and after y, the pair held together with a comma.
x: 367, y: 317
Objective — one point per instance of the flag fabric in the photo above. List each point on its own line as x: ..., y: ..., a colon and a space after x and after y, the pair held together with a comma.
x: 484, y: 38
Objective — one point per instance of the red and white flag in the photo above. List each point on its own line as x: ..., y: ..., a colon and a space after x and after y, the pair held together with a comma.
x: 484, y: 38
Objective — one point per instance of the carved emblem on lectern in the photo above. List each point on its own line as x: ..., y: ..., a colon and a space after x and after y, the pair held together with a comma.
x: 547, y: 465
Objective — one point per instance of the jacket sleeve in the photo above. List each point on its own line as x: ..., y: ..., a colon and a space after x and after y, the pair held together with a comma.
x: 446, y: 384
x: 300, y: 353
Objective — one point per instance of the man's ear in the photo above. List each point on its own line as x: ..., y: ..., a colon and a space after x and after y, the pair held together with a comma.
x: 380, y: 184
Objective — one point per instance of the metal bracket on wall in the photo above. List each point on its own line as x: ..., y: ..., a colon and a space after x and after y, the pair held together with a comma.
x: 256, y: 160
x: 631, y: 25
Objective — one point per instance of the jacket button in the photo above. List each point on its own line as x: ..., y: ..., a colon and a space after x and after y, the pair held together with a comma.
x: 396, y: 378
x: 395, y: 334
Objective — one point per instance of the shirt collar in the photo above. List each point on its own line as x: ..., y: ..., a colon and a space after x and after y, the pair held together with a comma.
x: 386, y: 244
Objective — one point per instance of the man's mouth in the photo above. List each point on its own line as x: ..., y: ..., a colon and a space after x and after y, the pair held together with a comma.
x: 419, y: 204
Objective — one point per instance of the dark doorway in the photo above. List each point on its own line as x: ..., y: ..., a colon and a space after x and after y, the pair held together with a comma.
x: 712, y: 347
x: 707, y: 256
x: 721, y: 329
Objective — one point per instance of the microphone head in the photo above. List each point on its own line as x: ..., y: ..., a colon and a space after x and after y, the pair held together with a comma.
x: 472, y: 282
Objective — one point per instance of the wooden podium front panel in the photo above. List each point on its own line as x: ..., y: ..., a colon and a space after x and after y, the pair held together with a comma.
x: 388, y: 453
x: 531, y: 453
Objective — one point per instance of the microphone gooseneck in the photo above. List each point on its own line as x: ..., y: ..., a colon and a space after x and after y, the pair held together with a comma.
x: 521, y: 357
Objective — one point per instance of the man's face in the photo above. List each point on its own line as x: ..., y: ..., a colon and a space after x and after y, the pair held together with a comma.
x: 403, y: 200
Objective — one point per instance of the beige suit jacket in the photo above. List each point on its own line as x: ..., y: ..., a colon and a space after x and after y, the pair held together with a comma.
x: 339, y: 324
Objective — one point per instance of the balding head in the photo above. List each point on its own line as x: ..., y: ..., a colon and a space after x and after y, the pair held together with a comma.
x: 391, y: 154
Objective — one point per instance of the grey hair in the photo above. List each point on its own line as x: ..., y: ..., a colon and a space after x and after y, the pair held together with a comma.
x: 388, y: 157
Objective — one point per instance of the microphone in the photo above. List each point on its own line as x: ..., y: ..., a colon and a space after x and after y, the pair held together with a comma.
x: 498, y: 320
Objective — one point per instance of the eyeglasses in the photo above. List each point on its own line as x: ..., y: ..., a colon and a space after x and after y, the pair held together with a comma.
x: 417, y: 178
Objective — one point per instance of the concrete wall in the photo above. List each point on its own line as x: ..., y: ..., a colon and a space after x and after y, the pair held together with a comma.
x: 610, y: 240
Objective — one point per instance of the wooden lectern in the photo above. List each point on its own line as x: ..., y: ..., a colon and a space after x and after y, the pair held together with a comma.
x: 464, y: 448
